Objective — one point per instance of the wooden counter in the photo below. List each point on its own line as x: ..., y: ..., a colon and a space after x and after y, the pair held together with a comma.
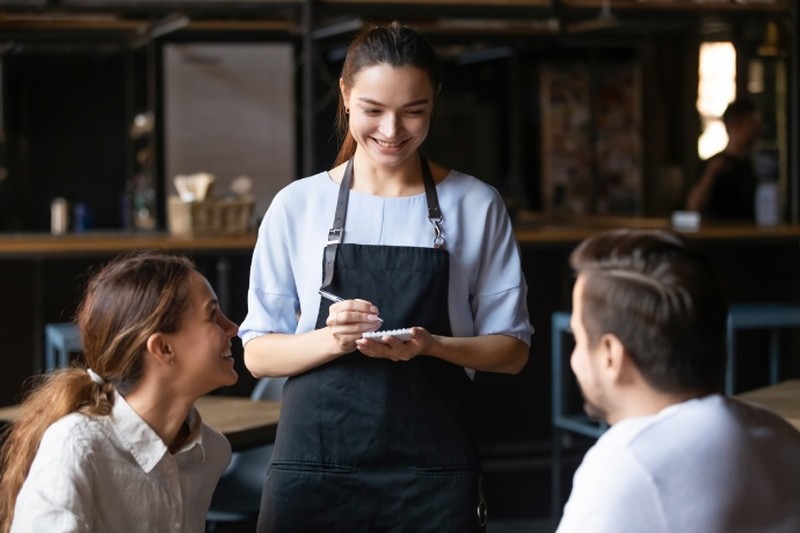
x: 531, y: 228
x: 20, y: 245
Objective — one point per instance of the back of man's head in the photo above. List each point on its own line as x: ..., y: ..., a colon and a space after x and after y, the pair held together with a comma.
x: 738, y: 110
x: 662, y: 299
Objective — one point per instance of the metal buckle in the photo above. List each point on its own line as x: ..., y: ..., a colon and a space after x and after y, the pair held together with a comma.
x: 335, y: 235
x: 438, y: 234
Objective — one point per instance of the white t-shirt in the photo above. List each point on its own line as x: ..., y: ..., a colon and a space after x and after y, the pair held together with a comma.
x: 708, y: 465
x: 487, y: 292
x: 113, y: 473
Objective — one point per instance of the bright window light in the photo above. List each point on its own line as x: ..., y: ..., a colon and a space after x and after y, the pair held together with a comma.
x: 716, y: 89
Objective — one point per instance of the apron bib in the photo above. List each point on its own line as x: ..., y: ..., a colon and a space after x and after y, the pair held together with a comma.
x: 370, y: 444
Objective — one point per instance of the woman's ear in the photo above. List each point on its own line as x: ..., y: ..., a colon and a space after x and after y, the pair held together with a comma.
x: 158, y: 346
x: 343, y: 91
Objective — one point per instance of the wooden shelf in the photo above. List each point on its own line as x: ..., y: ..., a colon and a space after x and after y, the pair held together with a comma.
x: 93, y: 243
x: 775, y: 6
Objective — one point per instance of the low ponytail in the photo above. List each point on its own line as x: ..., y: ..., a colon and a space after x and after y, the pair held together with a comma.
x: 52, y: 397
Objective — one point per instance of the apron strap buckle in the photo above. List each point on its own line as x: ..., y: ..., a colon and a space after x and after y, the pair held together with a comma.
x: 335, y: 235
x: 438, y: 234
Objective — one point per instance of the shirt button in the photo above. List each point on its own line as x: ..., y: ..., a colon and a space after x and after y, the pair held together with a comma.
x: 176, y: 526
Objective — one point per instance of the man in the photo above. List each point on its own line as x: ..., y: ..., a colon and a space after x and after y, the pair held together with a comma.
x: 649, y: 319
x: 725, y: 189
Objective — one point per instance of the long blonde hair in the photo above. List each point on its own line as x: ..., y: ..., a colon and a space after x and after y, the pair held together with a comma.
x: 135, y: 295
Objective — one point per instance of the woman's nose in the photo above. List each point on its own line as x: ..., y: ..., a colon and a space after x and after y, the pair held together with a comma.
x: 230, y: 326
x: 389, y: 125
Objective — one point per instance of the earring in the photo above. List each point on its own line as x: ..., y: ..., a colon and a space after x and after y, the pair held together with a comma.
x: 346, y: 110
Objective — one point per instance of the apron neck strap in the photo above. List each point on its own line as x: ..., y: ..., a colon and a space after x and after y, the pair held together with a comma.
x: 336, y: 233
x: 434, y: 213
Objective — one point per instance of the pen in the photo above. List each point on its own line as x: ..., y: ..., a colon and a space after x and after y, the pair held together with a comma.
x: 332, y: 297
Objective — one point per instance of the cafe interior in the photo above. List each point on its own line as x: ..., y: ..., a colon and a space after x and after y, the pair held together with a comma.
x: 584, y: 114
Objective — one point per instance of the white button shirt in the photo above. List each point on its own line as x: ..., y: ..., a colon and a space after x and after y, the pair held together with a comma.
x: 113, y: 473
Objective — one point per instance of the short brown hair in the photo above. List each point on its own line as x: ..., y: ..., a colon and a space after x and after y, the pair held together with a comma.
x: 663, y: 299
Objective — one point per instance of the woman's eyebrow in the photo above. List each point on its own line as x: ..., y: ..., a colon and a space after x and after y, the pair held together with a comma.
x: 368, y: 100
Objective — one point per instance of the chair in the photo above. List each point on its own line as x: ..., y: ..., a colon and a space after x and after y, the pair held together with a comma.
x: 237, y: 497
x: 60, y: 340
x: 770, y: 316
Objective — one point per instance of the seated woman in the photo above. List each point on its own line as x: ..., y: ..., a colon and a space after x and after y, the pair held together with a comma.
x: 118, y: 445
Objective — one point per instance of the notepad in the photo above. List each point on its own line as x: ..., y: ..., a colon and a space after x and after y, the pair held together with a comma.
x: 402, y: 334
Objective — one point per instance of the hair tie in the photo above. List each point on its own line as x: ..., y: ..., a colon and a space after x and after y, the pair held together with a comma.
x: 95, y: 377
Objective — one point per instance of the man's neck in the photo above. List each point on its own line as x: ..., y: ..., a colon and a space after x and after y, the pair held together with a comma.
x: 646, y: 401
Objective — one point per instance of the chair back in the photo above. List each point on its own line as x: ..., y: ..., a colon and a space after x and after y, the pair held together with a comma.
x: 268, y: 389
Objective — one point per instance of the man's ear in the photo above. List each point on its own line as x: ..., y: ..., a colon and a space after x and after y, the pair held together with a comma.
x: 158, y: 346
x: 614, y: 356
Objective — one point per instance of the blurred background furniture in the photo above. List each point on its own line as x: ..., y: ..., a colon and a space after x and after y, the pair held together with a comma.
x: 237, y: 497
x: 60, y: 340
x: 773, y: 317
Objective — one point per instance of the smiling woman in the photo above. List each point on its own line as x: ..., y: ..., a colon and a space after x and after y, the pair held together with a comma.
x: 376, y: 433
x: 155, y: 341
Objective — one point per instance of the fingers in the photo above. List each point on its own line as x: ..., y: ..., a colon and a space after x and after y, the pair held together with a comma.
x: 394, y: 349
x: 362, y: 321
x: 348, y: 319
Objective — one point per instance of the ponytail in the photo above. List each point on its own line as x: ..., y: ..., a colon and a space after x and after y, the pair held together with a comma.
x: 52, y: 397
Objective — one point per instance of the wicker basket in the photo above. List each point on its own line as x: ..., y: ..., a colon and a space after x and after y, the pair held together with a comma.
x: 209, y: 217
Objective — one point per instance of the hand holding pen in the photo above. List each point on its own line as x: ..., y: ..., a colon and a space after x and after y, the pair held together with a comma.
x: 364, y: 307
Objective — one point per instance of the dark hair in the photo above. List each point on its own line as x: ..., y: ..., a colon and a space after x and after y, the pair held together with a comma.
x: 663, y: 299
x: 395, y: 45
x: 132, y: 297
x: 737, y: 110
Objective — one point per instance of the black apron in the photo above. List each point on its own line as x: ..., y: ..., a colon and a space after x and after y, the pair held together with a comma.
x: 370, y: 444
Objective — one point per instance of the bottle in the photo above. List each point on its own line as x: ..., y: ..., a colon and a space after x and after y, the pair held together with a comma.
x: 767, y: 203
x: 59, y: 216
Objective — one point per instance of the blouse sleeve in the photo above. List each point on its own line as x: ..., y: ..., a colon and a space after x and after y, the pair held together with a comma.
x: 499, y: 303
x: 272, y: 301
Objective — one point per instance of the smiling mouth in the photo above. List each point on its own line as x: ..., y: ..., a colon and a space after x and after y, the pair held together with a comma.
x: 389, y: 144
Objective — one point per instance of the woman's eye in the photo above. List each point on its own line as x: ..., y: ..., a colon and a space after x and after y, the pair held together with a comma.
x: 415, y: 112
x: 371, y: 112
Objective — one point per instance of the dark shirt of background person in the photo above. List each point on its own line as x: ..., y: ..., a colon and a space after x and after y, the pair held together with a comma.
x: 726, y: 185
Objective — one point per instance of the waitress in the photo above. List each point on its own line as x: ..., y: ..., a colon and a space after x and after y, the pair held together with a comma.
x: 375, y: 433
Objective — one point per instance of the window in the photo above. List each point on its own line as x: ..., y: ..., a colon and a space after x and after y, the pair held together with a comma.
x: 716, y: 89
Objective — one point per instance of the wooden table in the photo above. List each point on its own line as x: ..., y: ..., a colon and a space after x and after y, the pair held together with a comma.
x: 783, y: 399
x: 243, y: 421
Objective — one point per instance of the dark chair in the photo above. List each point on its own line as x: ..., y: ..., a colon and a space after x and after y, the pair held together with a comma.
x: 769, y: 316
x: 60, y: 340
x: 237, y: 497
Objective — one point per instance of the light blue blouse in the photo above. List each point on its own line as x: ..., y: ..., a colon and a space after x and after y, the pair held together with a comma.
x: 487, y: 292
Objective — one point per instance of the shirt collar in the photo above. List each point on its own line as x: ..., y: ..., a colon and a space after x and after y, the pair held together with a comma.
x: 142, y: 442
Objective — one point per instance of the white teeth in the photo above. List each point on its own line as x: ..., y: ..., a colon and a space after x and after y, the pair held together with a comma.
x: 388, y: 144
